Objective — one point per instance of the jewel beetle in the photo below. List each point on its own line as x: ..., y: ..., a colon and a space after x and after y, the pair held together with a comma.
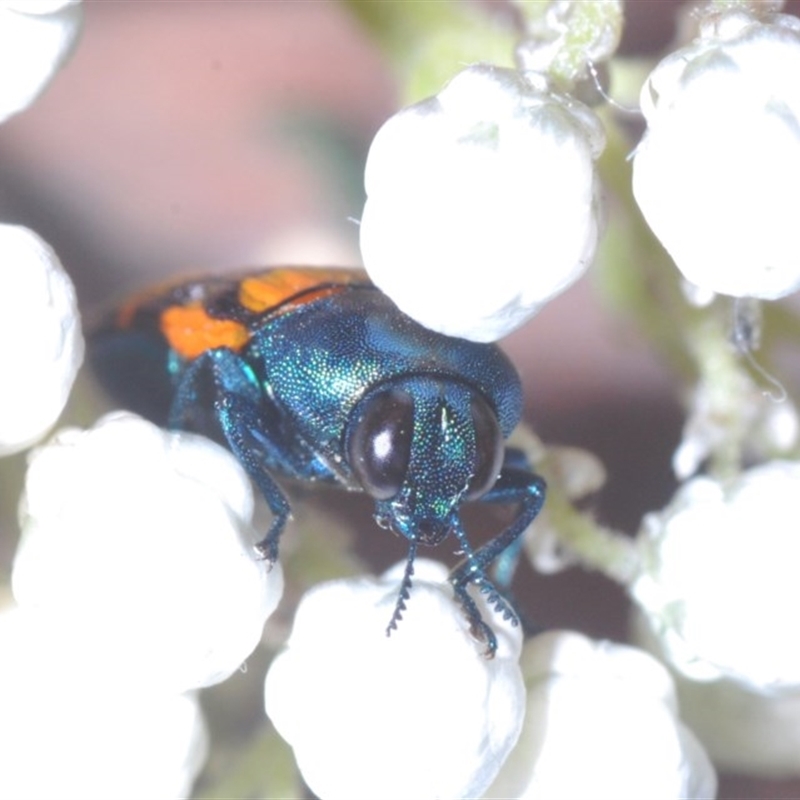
x: 316, y: 375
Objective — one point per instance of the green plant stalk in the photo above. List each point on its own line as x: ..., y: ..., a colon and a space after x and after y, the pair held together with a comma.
x: 428, y: 42
x: 585, y: 29
x: 757, y: 7
x: 639, y: 279
x: 597, y: 547
x: 265, y: 767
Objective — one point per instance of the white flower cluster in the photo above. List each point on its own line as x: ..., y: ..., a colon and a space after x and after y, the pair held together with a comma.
x: 67, y: 732
x: 716, y: 528
x: 601, y: 722
x: 482, y: 202
x: 719, y: 594
x: 135, y: 580
x: 136, y: 583
x: 38, y: 312
x: 138, y: 541
x: 40, y: 328
x: 423, y: 713
x: 717, y: 174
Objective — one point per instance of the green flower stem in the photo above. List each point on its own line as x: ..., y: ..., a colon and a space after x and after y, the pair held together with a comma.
x: 757, y: 7
x: 429, y: 41
x: 633, y: 272
x: 586, y: 30
x: 728, y: 391
x: 640, y: 279
x: 598, y: 547
x: 264, y: 767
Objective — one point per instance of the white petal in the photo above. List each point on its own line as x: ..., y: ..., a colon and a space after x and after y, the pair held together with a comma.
x: 421, y: 713
x: 41, y: 345
x: 718, y: 598
x: 139, y: 542
x: 745, y: 731
x: 36, y: 38
x: 63, y: 735
x: 697, y: 553
x: 601, y: 723
x: 717, y: 174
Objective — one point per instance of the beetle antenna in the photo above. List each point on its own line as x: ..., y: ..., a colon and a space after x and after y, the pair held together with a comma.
x: 405, y: 589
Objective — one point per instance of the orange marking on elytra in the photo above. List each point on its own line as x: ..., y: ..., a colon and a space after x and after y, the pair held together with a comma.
x: 261, y: 292
x: 190, y: 331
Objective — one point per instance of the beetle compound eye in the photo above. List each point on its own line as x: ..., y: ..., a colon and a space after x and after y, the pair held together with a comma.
x: 379, y: 447
x: 488, y: 449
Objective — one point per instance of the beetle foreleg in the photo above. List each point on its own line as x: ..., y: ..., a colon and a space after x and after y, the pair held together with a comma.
x: 241, y: 412
x: 513, y: 485
x: 243, y: 426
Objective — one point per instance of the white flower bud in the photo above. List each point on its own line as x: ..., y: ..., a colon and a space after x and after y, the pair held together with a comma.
x: 744, y: 730
x: 717, y: 175
x: 482, y: 202
x: 719, y: 582
x: 139, y: 543
x: 67, y: 731
x: 41, y: 345
x: 421, y: 713
x: 601, y: 722
x: 36, y: 38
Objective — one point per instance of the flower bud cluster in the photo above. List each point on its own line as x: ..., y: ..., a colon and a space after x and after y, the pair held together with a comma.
x: 565, y: 717
x: 717, y: 174
x: 136, y: 583
x: 718, y: 594
x: 482, y: 202
x: 41, y: 344
x: 601, y: 721
x: 420, y: 713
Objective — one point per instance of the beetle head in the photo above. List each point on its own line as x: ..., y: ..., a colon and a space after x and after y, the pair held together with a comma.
x: 419, y: 446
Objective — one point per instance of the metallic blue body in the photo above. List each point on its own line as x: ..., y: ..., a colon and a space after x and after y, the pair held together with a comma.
x: 289, y: 400
x: 317, y: 361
